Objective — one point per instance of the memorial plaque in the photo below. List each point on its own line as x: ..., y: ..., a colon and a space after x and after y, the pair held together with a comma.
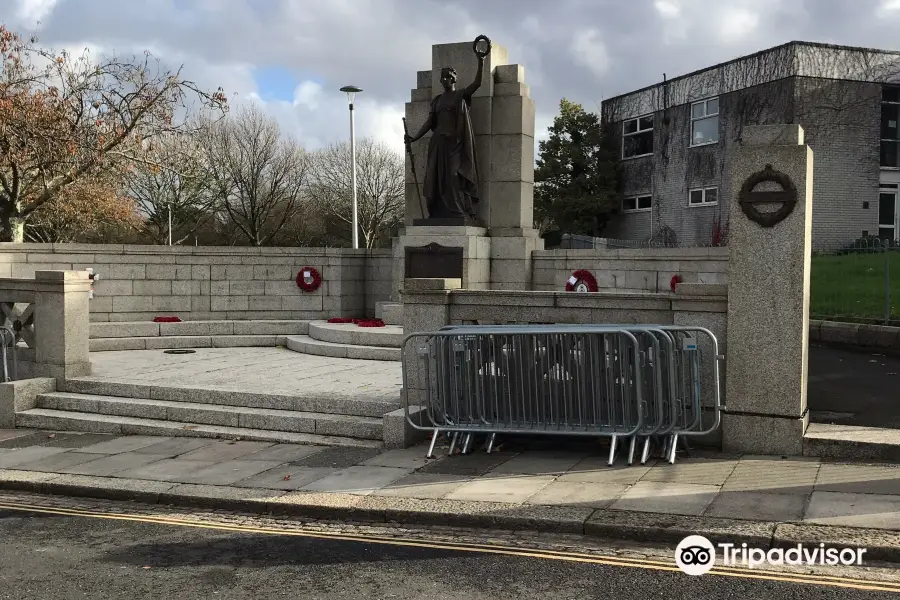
x: 434, y: 262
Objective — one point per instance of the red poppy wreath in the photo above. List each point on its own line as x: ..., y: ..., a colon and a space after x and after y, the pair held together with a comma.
x: 308, y: 279
x: 581, y: 281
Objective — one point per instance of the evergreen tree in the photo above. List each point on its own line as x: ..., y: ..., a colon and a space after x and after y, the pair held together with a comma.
x: 577, y: 174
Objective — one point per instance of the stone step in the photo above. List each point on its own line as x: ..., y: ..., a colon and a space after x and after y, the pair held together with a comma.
x: 358, y: 406
x: 852, y: 442
x: 145, y: 329
x: 209, y: 414
x: 307, y: 345
x: 184, y: 341
x: 390, y: 336
x: 58, y: 420
x: 389, y: 312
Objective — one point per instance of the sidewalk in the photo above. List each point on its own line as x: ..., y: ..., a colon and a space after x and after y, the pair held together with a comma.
x: 763, y: 501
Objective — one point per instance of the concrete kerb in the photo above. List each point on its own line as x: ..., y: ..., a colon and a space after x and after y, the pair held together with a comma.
x: 856, y: 336
x: 881, y: 545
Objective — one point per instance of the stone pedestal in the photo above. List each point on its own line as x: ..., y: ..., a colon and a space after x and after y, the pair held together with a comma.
x: 462, y: 253
x: 61, y: 324
x: 768, y: 300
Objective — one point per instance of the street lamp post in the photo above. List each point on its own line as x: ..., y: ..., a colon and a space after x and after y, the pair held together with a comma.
x: 170, y: 222
x: 351, y: 91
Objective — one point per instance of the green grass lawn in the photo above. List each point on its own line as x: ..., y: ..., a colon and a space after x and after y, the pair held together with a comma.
x: 852, y: 287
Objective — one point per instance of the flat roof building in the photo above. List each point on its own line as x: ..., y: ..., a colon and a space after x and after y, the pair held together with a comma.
x: 676, y: 138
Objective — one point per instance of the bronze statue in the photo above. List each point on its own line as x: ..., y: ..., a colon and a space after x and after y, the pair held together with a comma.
x: 451, y: 176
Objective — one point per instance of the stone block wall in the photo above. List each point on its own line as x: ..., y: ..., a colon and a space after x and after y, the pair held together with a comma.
x: 632, y: 270
x: 138, y: 283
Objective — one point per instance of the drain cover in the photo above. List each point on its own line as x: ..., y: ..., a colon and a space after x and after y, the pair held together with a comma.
x: 178, y: 351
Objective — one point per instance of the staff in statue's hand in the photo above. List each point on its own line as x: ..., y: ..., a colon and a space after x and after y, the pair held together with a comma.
x: 451, y: 177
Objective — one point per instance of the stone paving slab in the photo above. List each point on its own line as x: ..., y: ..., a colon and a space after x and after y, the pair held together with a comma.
x: 758, y: 506
x: 219, y: 451
x: 232, y: 368
x: 667, y: 497
x: 735, y: 498
x: 108, y: 466
x: 285, y: 477
x: 124, y: 444
x: 878, y: 511
x: 424, y: 486
x: 60, y: 462
x: 175, y: 446
x: 360, y: 480
x: 227, y: 472
x: 21, y: 456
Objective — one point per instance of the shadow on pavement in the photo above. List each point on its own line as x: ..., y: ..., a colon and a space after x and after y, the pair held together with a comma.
x: 849, y: 387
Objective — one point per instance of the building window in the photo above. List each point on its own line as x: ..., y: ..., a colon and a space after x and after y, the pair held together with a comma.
x: 703, y: 196
x: 637, y: 203
x: 887, y: 215
x: 705, y: 122
x: 637, y: 137
x: 890, y: 133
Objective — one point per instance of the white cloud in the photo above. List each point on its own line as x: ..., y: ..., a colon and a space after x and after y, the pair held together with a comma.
x: 668, y: 9
x: 589, y: 50
x: 29, y: 12
x: 307, y: 94
x: 380, y: 44
x: 888, y: 8
x: 735, y: 24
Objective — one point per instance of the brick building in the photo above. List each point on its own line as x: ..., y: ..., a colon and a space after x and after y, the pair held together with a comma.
x: 677, y: 136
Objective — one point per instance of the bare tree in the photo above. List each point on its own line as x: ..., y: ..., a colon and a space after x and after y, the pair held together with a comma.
x: 175, y: 184
x: 380, y: 186
x: 257, y: 175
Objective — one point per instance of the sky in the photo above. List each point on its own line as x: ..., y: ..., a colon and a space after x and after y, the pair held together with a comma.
x: 293, y: 56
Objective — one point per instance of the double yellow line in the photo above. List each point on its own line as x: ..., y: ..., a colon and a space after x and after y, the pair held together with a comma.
x: 614, y: 561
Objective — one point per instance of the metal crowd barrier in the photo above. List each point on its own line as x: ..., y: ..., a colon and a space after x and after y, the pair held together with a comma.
x: 8, y: 342
x: 626, y: 382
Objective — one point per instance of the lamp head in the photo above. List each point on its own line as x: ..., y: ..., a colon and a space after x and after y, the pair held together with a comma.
x: 351, y: 91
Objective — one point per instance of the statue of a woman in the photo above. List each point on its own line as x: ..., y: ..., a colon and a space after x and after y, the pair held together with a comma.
x: 451, y: 176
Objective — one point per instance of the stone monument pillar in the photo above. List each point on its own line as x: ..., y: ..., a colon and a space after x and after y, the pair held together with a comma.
x: 770, y: 232
x: 493, y: 251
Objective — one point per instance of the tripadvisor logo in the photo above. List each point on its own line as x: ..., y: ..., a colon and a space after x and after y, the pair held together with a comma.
x: 696, y: 555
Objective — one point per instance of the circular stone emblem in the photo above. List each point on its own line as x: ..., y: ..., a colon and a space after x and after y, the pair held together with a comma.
x: 751, y: 200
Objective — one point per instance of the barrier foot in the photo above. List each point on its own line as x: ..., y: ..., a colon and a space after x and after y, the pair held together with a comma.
x: 453, y: 439
x: 612, y: 450
x: 673, y: 447
x: 645, y: 453
x: 490, y: 444
x: 631, y: 446
x: 467, y: 443
x: 433, y: 442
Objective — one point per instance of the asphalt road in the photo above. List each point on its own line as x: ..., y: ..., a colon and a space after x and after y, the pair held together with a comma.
x: 853, y: 388
x: 66, y: 557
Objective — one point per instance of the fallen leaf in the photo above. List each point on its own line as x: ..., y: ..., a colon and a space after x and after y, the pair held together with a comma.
x: 51, y: 436
x: 148, y: 567
x: 286, y: 478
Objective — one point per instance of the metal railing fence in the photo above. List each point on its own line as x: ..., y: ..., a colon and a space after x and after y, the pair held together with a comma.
x: 858, y: 283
